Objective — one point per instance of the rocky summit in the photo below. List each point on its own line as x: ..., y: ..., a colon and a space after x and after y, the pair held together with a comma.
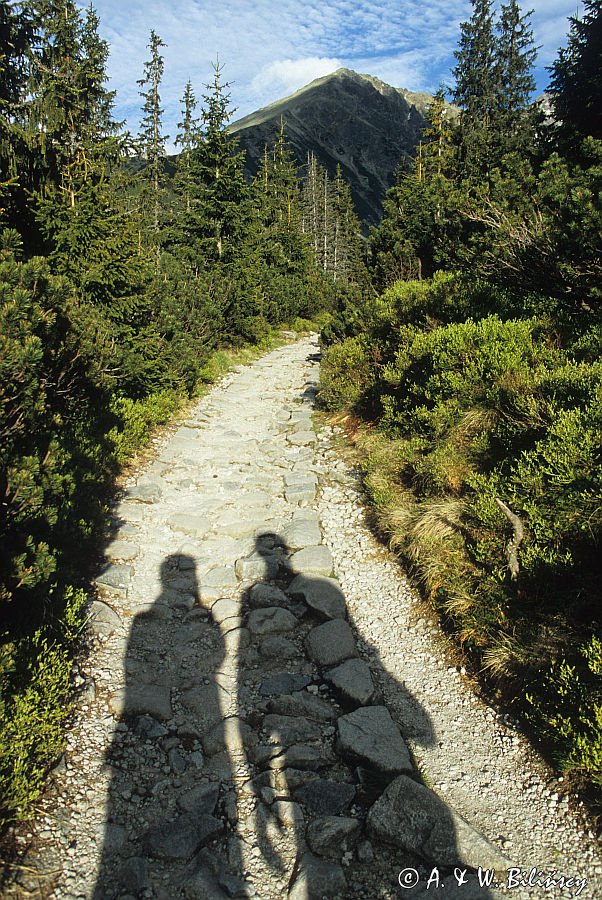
x: 346, y: 119
x: 255, y: 724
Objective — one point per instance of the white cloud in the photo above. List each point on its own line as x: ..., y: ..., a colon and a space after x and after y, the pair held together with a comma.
x: 284, y: 76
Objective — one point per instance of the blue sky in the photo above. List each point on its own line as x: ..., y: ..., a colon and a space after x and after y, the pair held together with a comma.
x: 270, y: 49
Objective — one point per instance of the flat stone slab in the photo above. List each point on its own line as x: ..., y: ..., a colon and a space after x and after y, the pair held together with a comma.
x: 143, y: 699
x: 145, y: 492
x: 225, y: 609
x: 369, y: 735
x: 411, y: 817
x: 186, y: 523
x: 331, y: 643
x: 322, y: 594
x: 284, y: 683
x: 352, y: 681
x: 312, y: 561
x: 329, y: 835
x: 115, y: 578
x: 122, y: 550
x: 271, y: 620
x: 287, y: 730
x: 323, y: 797
x: 302, y: 533
x: 181, y: 838
x: 258, y: 565
x: 302, y: 438
x: 221, y: 576
x: 300, y: 493
x: 303, y: 704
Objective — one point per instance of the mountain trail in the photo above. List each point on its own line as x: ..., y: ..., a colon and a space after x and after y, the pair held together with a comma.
x: 263, y: 712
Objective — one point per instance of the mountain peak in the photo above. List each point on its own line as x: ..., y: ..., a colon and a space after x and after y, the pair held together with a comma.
x: 344, y: 118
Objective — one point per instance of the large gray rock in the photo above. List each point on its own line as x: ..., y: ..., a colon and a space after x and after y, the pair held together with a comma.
x: 331, y: 643
x: 181, y: 838
x: 352, y: 681
x: 133, y: 875
x: 317, y: 879
x: 322, y: 594
x: 413, y: 818
x: 220, y: 577
x: 145, y: 491
x: 312, y: 561
x: 302, y: 438
x: 287, y: 730
x: 122, y: 550
x: 271, y: 620
x: 330, y: 835
x: 326, y: 798
x: 301, y: 492
x: 369, y: 735
x: 303, y: 704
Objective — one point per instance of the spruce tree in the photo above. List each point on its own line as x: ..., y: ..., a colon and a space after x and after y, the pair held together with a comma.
x: 188, y: 138
x: 516, y: 56
x: 576, y: 81
x: 16, y: 35
x: 216, y: 217
x: 476, y: 88
x: 151, y: 138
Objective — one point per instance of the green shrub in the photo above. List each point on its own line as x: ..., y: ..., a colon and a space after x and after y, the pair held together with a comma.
x: 345, y: 373
x: 35, y: 704
x: 138, y: 419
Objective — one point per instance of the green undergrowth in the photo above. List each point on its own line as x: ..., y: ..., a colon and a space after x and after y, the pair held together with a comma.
x: 470, y: 400
x: 35, y: 705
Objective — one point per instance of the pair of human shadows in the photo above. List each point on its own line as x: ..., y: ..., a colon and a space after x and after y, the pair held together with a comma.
x: 163, y: 652
x: 369, y: 783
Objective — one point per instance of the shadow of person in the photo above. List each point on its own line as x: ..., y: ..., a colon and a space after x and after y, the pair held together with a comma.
x: 166, y: 831
x: 339, y: 809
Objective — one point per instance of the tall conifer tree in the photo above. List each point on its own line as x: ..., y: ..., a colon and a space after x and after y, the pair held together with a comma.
x: 152, y: 140
x: 576, y: 80
x: 476, y: 87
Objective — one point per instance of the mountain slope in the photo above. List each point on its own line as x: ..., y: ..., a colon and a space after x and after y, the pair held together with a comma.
x: 344, y: 118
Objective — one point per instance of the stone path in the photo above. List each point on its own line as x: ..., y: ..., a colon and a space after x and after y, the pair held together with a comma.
x: 250, y: 725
